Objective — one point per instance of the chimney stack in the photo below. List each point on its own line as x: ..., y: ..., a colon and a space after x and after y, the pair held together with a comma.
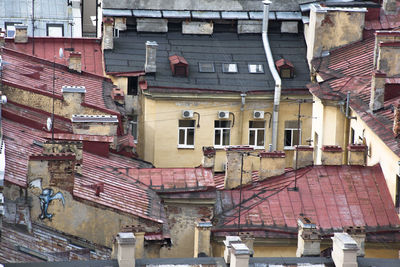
x: 331, y: 155
x: 396, y: 119
x: 74, y: 96
x: 108, y: 33
x: 202, y: 238
x: 344, y: 253
x: 229, y: 240
x: 358, y: 234
x: 208, y: 160
x: 309, y: 238
x: 271, y: 164
x: 240, y: 255
x: 21, y: 34
x: 357, y: 154
x: 389, y: 6
x: 305, y: 156
x: 377, y: 97
x: 75, y: 61
x: 248, y: 240
x: 236, y: 168
x: 151, y: 56
x: 124, y: 249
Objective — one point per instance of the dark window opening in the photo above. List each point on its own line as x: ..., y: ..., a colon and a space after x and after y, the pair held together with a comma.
x: 132, y: 85
x: 352, y: 141
x: 397, y: 201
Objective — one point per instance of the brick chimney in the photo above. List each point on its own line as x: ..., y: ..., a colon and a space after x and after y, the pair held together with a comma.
x: 305, y: 156
x: 124, y: 249
x: 331, y: 155
x: 108, y: 32
x: 240, y: 255
x: 75, y: 147
x: 377, y: 97
x: 357, y: 154
x: 74, y: 61
x: 234, y: 169
x: 208, y: 160
x: 55, y: 169
x: 389, y: 6
x: 229, y: 240
x: 309, y: 238
x: 21, y: 34
x: 271, y: 164
x: 150, y: 65
x: 344, y: 253
x: 202, y: 238
x: 74, y: 96
x: 396, y: 119
x: 358, y: 234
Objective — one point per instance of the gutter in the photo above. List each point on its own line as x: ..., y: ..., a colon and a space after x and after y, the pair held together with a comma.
x: 275, y: 75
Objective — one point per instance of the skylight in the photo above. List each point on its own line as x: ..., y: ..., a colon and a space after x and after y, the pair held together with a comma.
x: 256, y: 68
x: 206, y: 67
x: 229, y: 67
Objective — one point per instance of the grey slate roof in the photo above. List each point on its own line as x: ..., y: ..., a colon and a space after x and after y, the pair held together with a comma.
x: 128, y: 55
x: 210, y: 5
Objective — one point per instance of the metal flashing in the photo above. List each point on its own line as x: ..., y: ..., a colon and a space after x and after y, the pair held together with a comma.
x: 288, y: 15
x: 117, y: 12
x: 260, y: 15
x: 205, y: 15
x: 73, y: 89
x: 147, y: 13
x: 94, y: 118
x: 176, y: 14
x: 234, y: 15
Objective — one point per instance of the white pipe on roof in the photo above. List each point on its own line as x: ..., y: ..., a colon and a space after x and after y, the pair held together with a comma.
x: 275, y: 74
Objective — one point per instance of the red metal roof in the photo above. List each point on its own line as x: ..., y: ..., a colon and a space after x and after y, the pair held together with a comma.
x: 331, y: 196
x: 48, y: 47
x: 35, y: 74
x: 119, y: 193
x: 384, y: 21
x: 173, y: 179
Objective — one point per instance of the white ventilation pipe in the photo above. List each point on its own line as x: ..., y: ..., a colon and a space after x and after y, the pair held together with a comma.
x: 275, y: 74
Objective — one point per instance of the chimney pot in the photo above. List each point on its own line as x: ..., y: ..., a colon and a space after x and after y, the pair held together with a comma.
x: 21, y: 34
x: 377, y: 96
x: 229, y: 240
x: 331, y: 155
x: 240, y: 255
x: 344, y: 253
x: 151, y: 53
x: 234, y: 169
x: 308, y: 239
x: 125, y: 249
x: 358, y: 234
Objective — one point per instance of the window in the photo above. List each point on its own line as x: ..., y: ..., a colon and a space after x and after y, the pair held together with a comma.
x: 132, y: 85
x: 10, y: 28
x: 55, y: 30
x: 256, y: 68
x: 352, y: 140
x: 134, y: 124
x: 116, y: 33
x: 186, y: 134
x: 222, y: 133
x: 257, y: 134
x: 229, y: 68
x: 206, y: 67
x: 292, y: 134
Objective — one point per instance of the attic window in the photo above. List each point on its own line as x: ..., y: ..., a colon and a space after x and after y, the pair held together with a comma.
x: 285, y: 68
x: 179, y: 66
x: 206, y: 67
x: 256, y: 68
x: 10, y: 28
x: 229, y: 67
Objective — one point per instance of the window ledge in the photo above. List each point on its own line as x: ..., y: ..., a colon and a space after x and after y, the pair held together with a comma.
x: 185, y: 147
x: 289, y: 148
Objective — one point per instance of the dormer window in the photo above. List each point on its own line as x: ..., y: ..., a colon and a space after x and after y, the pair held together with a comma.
x: 179, y: 66
x: 207, y: 67
x: 285, y: 68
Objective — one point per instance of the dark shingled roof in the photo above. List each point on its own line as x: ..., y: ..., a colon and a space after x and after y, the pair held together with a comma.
x: 128, y: 55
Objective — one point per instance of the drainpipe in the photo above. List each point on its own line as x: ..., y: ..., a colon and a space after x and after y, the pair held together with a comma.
x: 243, y: 96
x: 274, y: 72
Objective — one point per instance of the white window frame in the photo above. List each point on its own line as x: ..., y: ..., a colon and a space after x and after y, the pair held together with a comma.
x: 256, y: 135
x: 221, y: 138
x: 54, y: 28
x: 134, y: 121
x: 291, y: 141
x: 185, y: 129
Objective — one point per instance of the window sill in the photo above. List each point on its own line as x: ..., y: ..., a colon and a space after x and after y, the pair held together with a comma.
x: 185, y: 147
x: 289, y: 148
x: 220, y: 147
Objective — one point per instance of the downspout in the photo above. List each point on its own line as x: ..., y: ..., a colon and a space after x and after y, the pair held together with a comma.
x: 275, y: 75
x: 243, y: 96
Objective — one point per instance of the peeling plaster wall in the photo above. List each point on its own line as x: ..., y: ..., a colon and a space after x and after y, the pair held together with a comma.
x: 182, y: 220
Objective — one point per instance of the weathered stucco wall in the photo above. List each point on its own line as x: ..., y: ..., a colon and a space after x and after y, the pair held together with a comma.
x: 160, y: 122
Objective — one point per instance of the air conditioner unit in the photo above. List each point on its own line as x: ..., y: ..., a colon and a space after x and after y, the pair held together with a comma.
x: 187, y: 114
x: 257, y: 114
x: 223, y: 114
